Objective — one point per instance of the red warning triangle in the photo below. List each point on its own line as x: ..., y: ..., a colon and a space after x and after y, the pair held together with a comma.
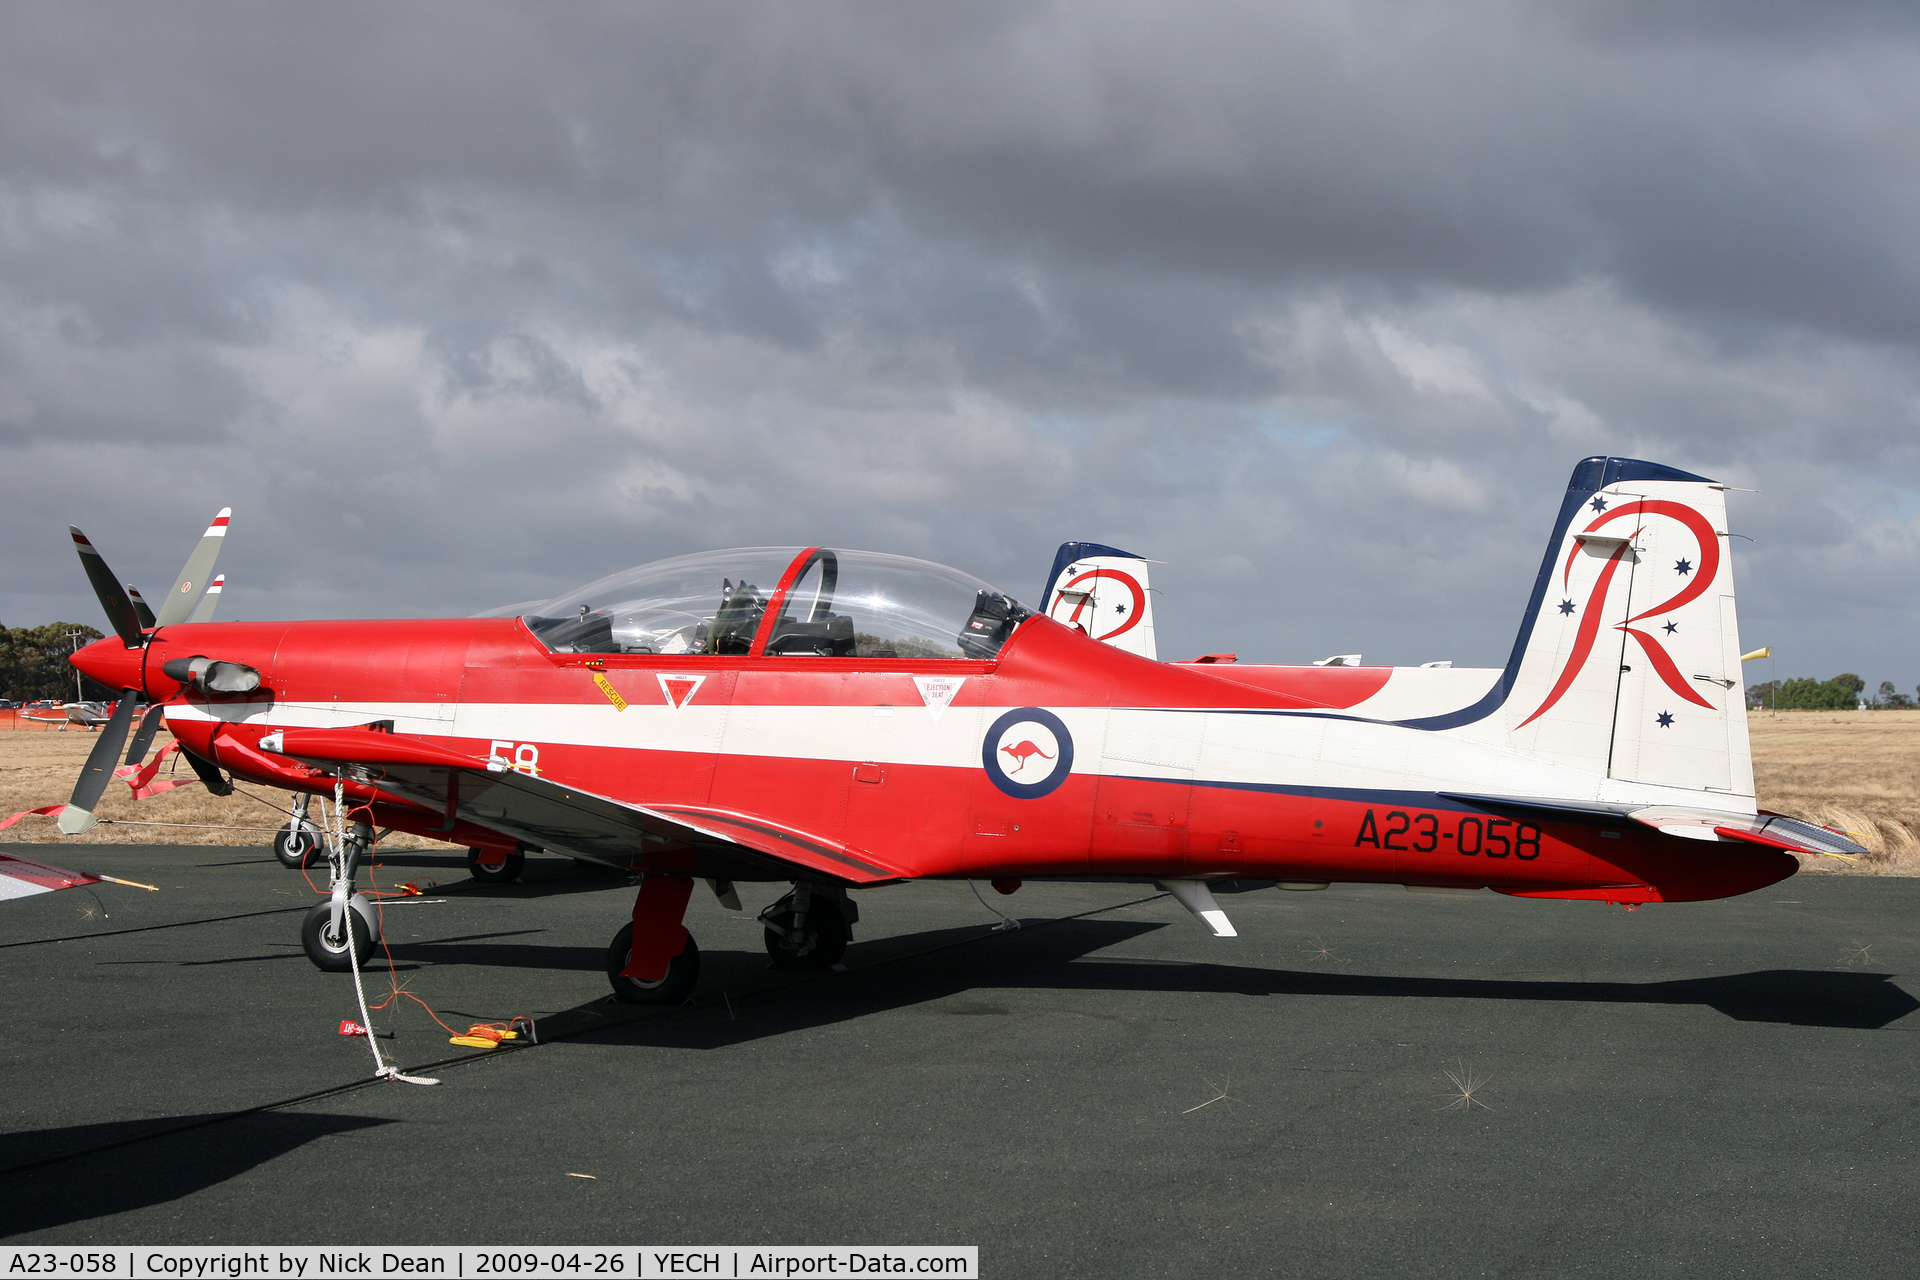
x: 679, y: 689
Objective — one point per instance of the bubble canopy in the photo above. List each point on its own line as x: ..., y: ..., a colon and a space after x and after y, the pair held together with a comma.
x: 783, y: 602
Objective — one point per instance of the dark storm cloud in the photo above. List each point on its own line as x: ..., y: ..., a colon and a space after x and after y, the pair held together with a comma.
x: 458, y: 304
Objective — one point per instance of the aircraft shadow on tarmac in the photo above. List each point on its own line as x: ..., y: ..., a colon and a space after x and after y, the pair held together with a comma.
x: 1059, y: 958
x: 543, y: 877
x: 101, y: 1183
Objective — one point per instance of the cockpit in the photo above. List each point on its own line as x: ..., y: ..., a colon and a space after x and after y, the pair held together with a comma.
x: 783, y: 601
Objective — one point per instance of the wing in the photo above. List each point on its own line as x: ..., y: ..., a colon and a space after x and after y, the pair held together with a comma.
x: 682, y: 839
x: 20, y: 878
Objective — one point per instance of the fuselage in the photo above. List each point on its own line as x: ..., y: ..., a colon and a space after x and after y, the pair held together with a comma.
x: 1058, y: 757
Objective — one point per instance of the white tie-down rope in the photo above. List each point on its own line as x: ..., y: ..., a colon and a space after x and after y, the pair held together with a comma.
x: 1006, y: 921
x: 381, y: 1068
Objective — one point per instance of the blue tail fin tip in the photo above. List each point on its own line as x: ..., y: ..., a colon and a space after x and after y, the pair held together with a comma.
x: 1071, y: 551
x: 1590, y: 474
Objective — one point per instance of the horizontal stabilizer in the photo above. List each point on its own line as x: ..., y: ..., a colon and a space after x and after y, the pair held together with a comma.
x: 1770, y: 829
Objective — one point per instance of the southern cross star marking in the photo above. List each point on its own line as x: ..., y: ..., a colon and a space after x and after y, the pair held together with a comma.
x: 1119, y: 608
x: 1566, y: 606
x: 1683, y: 567
x: 1672, y: 627
x: 1664, y: 719
x: 1598, y: 503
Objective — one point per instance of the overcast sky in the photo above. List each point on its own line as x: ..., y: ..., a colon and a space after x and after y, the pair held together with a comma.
x: 463, y: 304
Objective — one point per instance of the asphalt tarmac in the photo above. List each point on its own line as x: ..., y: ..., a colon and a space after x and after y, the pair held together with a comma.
x: 1366, y: 1082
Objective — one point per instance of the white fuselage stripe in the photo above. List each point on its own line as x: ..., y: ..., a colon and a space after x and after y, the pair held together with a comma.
x: 1206, y: 747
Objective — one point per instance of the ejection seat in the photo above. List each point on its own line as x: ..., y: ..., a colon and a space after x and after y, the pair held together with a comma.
x: 831, y: 637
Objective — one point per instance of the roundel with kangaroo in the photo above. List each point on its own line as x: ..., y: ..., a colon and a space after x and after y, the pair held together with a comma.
x: 1028, y: 753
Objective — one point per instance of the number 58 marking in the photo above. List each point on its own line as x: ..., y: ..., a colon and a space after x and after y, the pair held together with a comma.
x: 524, y: 756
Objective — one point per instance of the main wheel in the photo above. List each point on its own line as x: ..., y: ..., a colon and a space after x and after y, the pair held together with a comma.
x: 326, y: 949
x: 819, y: 944
x: 506, y: 873
x: 682, y: 972
x: 300, y: 848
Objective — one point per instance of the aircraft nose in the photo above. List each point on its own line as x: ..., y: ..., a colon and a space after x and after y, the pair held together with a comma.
x: 113, y: 664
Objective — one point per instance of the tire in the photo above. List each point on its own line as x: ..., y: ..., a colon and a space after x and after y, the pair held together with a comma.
x: 819, y: 947
x: 506, y: 873
x: 682, y: 973
x: 300, y: 848
x: 328, y: 953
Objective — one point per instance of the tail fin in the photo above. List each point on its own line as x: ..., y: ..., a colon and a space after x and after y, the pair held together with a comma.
x: 1103, y: 592
x: 1627, y: 664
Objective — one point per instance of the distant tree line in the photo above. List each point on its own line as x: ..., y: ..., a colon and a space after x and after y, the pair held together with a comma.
x: 1844, y: 692
x: 33, y: 662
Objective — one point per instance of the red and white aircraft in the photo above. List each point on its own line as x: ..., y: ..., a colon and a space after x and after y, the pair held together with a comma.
x: 840, y: 719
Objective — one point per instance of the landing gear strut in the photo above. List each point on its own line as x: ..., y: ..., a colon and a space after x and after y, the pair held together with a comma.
x: 323, y: 933
x: 810, y: 927
x: 299, y: 845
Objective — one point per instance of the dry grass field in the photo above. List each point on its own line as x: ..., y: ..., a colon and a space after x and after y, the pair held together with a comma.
x: 1858, y: 771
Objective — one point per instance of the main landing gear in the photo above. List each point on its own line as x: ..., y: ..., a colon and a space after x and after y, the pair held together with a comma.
x: 654, y: 960
x: 490, y: 866
x: 324, y: 932
x: 665, y: 963
x: 810, y: 927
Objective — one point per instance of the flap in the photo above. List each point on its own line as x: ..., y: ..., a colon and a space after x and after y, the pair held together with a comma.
x: 684, y: 840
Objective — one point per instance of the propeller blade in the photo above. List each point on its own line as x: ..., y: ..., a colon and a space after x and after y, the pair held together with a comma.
x: 140, y: 605
x: 143, y: 738
x: 179, y: 602
x: 203, y: 612
x: 78, y: 815
x: 113, y: 597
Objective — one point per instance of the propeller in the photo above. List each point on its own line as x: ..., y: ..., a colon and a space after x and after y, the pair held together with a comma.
x: 143, y: 737
x: 180, y: 600
x: 203, y: 612
x: 140, y: 605
x: 131, y: 618
x: 78, y: 815
x: 113, y: 597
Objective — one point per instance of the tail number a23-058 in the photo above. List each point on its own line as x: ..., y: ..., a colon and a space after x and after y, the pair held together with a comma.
x: 1471, y: 834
